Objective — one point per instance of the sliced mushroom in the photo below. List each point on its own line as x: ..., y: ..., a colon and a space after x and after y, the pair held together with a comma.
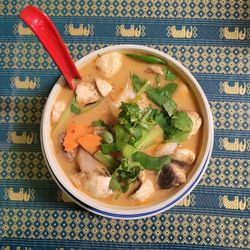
x: 98, y: 185
x: 71, y: 155
x: 165, y: 149
x: 57, y: 111
x: 86, y: 93
x: 86, y: 162
x: 184, y: 155
x: 196, y: 122
x: 171, y: 175
x: 144, y: 191
x: 103, y: 86
x: 155, y: 69
x: 109, y: 63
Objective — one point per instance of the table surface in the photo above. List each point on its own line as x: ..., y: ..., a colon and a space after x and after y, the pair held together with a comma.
x: 211, y: 38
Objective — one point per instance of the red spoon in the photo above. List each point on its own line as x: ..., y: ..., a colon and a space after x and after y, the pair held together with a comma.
x: 46, y: 32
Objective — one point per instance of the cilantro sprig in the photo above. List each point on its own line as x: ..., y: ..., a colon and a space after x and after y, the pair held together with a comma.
x: 176, y: 124
x: 136, y: 128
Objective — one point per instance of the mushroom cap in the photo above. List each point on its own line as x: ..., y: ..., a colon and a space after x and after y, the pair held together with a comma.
x: 166, y: 177
x: 171, y: 175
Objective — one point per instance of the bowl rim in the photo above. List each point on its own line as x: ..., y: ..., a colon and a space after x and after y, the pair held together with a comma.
x: 118, y: 213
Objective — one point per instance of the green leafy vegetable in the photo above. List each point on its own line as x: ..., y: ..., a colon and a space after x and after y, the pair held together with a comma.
x: 136, y: 129
x: 74, y: 108
x: 146, y: 58
x: 159, y: 94
x: 128, y: 150
x: 124, y: 175
x: 176, y: 128
x: 149, y: 137
x: 134, y: 126
x: 130, y: 115
x: 177, y: 136
x: 137, y: 83
x: 98, y: 123
x: 106, y: 160
x: 170, y: 75
x: 108, y: 148
x: 107, y: 137
x: 157, y: 80
x: 182, y: 121
x: 169, y: 106
x: 121, y: 137
x: 149, y: 162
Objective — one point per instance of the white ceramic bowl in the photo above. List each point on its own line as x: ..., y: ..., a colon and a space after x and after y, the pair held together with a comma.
x: 122, y: 212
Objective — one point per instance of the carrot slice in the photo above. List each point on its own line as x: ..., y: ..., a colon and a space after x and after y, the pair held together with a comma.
x: 90, y: 142
x: 73, y: 132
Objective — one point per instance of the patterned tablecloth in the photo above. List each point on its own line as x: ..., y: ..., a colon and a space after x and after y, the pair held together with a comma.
x: 211, y: 38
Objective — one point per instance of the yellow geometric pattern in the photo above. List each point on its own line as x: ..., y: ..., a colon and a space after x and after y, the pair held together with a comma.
x: 212, y: 9
x: 199, y: 59
x: 231, y: 115
x: 227, y: 231
x: 227, y: 172
x: 23, y: 166
x: 21, y: 109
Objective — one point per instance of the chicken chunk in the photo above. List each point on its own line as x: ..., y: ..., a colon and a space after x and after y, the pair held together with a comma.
x: 155, y: 69
x: 184, y: 155
x: 57, y: 111
x: 196, y: 122
x: 98, y: 185
x: 141, y: 177
x: 86, y: 93
x: 165, y: 149
x: 144, y: 191
x: 103, y: 86
x: 179, y: 174
x: 109, y: 63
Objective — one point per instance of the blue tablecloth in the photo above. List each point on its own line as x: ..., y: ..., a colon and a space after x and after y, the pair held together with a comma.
x: 211, y: 38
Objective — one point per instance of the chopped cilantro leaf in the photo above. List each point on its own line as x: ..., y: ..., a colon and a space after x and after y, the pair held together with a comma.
x: 177, y: 136
x: 121, y: 136
x: 157, y: 80
x: 98, y: 123
x: 124, y: 175
x: 108, y: 148
x: 74, y: 108
x: 170, y: 75
x: 182, y: 121
x: 149, y: 162
x: 137, y: 83
x: 159, y: 94
x: 169, y: 105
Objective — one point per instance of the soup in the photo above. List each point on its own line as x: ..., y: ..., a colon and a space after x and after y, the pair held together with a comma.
x: 130, y: 132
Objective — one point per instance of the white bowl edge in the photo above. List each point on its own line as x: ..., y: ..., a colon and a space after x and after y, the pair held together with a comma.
x: 78, y: 196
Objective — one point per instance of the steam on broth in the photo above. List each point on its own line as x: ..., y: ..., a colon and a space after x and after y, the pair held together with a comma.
x: 130, y: 133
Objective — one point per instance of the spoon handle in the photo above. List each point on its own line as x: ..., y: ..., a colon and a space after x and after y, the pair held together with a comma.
x: 46, y: 32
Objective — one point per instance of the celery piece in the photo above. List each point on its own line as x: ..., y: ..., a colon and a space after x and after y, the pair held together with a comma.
x: 65, y: 116
x: 106, y: 160
x: 149, y: 138
x: 128, y: 150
